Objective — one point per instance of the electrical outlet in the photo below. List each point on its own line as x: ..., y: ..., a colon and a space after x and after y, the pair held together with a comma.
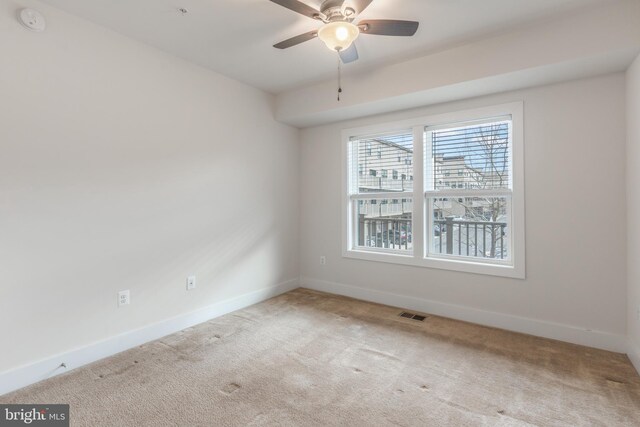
x: 124, y: 298
x: 323, y: 260
x: 191, y: 282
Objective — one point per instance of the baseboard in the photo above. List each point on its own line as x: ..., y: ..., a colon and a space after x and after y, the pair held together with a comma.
x: 556, y: 331
x: 47, y: 368
x: 633, y: 352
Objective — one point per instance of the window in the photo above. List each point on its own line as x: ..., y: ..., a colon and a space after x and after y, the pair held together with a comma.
x: 474, y: 224
x: 372, y: 172
x: 380, y: 222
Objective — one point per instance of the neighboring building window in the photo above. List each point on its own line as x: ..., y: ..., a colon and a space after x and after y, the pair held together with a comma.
x: 475, y: 224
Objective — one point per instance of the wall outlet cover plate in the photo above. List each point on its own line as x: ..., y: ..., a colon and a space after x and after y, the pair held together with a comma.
x: 124, y: 298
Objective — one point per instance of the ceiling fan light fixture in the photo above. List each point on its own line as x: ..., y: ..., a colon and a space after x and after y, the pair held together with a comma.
x: 338, y: 35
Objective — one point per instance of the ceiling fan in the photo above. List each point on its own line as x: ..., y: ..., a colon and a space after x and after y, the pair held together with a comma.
x: 339, y: 32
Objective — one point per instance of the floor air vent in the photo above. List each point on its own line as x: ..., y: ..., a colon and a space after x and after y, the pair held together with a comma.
x: 418, y: 317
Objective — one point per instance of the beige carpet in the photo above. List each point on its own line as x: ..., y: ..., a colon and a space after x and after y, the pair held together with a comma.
x: 308, y: 358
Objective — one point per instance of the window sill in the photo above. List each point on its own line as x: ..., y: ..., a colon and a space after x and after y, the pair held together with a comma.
x: 464, y: 266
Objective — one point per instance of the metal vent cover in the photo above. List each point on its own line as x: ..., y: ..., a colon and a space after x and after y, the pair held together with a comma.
x: 413, y: 316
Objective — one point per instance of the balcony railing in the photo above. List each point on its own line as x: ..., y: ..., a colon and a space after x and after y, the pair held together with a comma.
x: 484, y: 239
x: 387, y: 233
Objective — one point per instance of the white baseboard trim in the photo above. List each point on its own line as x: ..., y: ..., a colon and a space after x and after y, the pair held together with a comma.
x: 47, y: 368
x: 633, y: 352
x: 541, y: 328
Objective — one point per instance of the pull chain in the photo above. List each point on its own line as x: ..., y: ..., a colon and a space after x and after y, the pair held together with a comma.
x: 339, y: 76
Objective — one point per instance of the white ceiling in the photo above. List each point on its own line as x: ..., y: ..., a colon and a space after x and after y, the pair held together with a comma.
x: 235, y: 37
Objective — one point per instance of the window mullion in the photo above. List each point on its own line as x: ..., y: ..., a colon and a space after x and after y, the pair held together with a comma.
x: 418, y: 223
x: 428, y: 185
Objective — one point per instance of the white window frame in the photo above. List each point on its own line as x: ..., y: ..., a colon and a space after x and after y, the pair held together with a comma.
x: 421, y: 220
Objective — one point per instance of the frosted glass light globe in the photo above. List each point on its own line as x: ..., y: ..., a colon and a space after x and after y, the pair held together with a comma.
x: 338, y: 36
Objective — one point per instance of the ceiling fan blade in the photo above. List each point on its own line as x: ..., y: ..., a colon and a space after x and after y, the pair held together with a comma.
x: 360, y: 5
x: 349, y: 55
x: 297, y: 40
x: 388, y: 27
x: 299, y: 7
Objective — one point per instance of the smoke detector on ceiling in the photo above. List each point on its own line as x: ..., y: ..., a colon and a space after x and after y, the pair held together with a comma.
x: 32, y: 20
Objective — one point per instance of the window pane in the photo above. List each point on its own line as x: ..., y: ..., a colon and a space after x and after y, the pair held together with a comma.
x: 479, y: 156
x: 380, y: 154
x: 384, y: 223
x: 471, y: 226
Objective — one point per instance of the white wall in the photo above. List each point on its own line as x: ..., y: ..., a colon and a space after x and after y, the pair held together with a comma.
x: 575, y: 222
x: 633, y: 211
x: 122, y: 167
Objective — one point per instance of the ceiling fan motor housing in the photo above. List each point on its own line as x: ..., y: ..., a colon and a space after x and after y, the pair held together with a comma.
x: 332, y: 9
